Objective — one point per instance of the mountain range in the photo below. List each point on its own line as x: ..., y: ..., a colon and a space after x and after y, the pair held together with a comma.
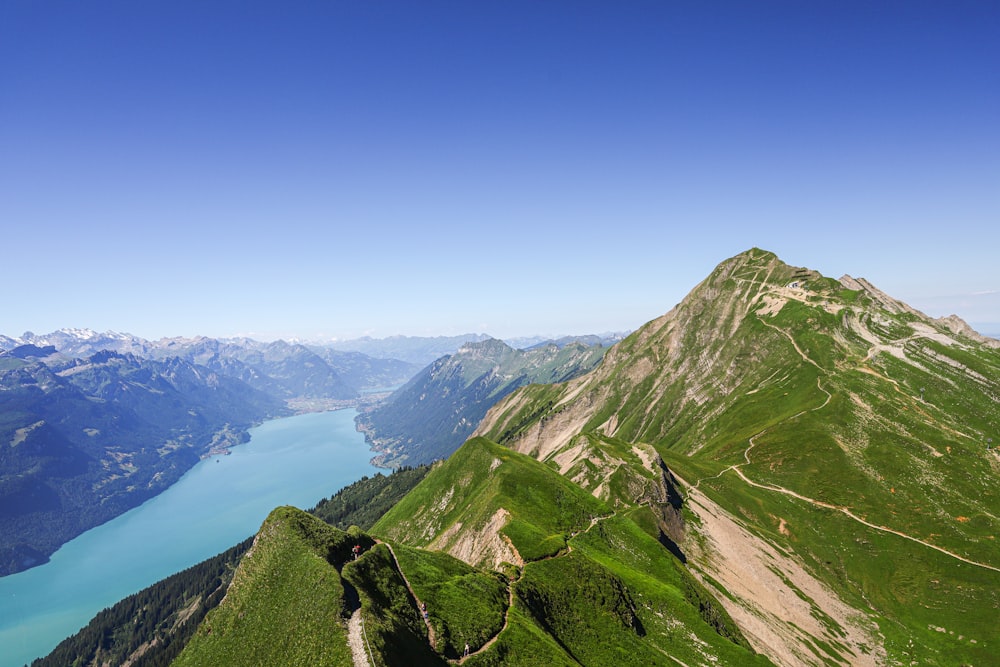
x: 92, y: 424
x: 99, y: 422
x: 82, y: 440
x: 784, y: 469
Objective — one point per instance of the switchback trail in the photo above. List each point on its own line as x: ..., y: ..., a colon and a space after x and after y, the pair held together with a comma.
x: 510, y: 587
x: 752, y: 442
x: 510, y: 593
x: 847, y: 512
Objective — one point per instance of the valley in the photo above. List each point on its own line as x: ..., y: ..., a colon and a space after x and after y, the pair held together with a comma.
x: 217, y: 504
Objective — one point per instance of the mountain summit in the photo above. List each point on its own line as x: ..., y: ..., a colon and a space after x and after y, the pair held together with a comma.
x: 834, y: 447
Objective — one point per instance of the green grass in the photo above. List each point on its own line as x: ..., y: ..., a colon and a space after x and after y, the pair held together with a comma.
x: 395, y: 629
x: 463, y: 604
x: 285, y: 606
x: 523, y: 644
x: 479, y: 480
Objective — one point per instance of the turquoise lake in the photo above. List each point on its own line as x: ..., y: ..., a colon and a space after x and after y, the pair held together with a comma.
x: 218, y: 503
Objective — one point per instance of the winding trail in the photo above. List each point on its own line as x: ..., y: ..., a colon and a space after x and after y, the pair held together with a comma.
x: 752, y: 442
x: 846, y: 511
x: 431, y: 636
x: 362, y: 660
x: 510, y: 587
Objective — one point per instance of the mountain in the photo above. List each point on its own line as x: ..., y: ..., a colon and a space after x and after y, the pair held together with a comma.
x: 151, y: 627
x: 832, y: 447
x: 437, y: 410
x: 419, y: 350
x: 97, y: 423
x: 605, y: 339
x: 81, y: 343
x: 83, y: 440
x: 286, y: 370
x: 281, y: 369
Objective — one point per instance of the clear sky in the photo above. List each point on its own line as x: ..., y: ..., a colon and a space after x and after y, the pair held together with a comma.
x: 348, y: 168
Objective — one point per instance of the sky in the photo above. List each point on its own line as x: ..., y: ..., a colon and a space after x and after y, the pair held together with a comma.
x: 339, y: 169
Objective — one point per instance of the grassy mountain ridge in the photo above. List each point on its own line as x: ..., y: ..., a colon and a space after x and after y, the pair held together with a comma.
x: 288, y: 578
x: 826, y: 418
x: 587, y: 584
x: 151, y: 627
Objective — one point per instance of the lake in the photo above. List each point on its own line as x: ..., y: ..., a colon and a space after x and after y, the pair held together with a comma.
x: 218, y: 503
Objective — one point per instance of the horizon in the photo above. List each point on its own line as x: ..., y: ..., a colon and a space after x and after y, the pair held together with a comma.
x: 335, y: 170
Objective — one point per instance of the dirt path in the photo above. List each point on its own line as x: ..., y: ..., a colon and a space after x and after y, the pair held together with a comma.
x: 431, y: 637
x: 510, y: 589
x: 787, y: 335
x: 355, y: 639
x: 752, y: 442
x: 506, y: 619
x: 850, y: 514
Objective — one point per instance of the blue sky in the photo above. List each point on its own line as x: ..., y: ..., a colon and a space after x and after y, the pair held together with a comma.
x: 377, y: 168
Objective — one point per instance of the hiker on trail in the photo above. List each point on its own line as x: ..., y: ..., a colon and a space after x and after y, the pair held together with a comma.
x: 423, y: 608
x: 466, y: 654
x: 356, y: 550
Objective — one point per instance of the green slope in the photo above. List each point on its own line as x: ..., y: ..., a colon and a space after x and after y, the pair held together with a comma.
x: 461, y: 501
x: 586, y: 584
x: 286, y: 604
x: 840, y: 425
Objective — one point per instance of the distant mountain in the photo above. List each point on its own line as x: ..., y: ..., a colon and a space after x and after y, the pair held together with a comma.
x: 436, y: 411
x: 605, y: 340
x: 413, y: 349
x: 287, y: 370
x: 97, y: 423
x: 82, y: 343
x: 83, y: 440
x: 279, y: 368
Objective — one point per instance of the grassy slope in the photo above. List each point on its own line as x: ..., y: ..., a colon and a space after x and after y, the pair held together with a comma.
x: 832, y: 423
x: 286, y: 604
x: 595, y: 589
x: 463, y: 604
x: 478, y: 480
x: 867, y: 441
x: 793, y: 400
x: 150, y: 628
